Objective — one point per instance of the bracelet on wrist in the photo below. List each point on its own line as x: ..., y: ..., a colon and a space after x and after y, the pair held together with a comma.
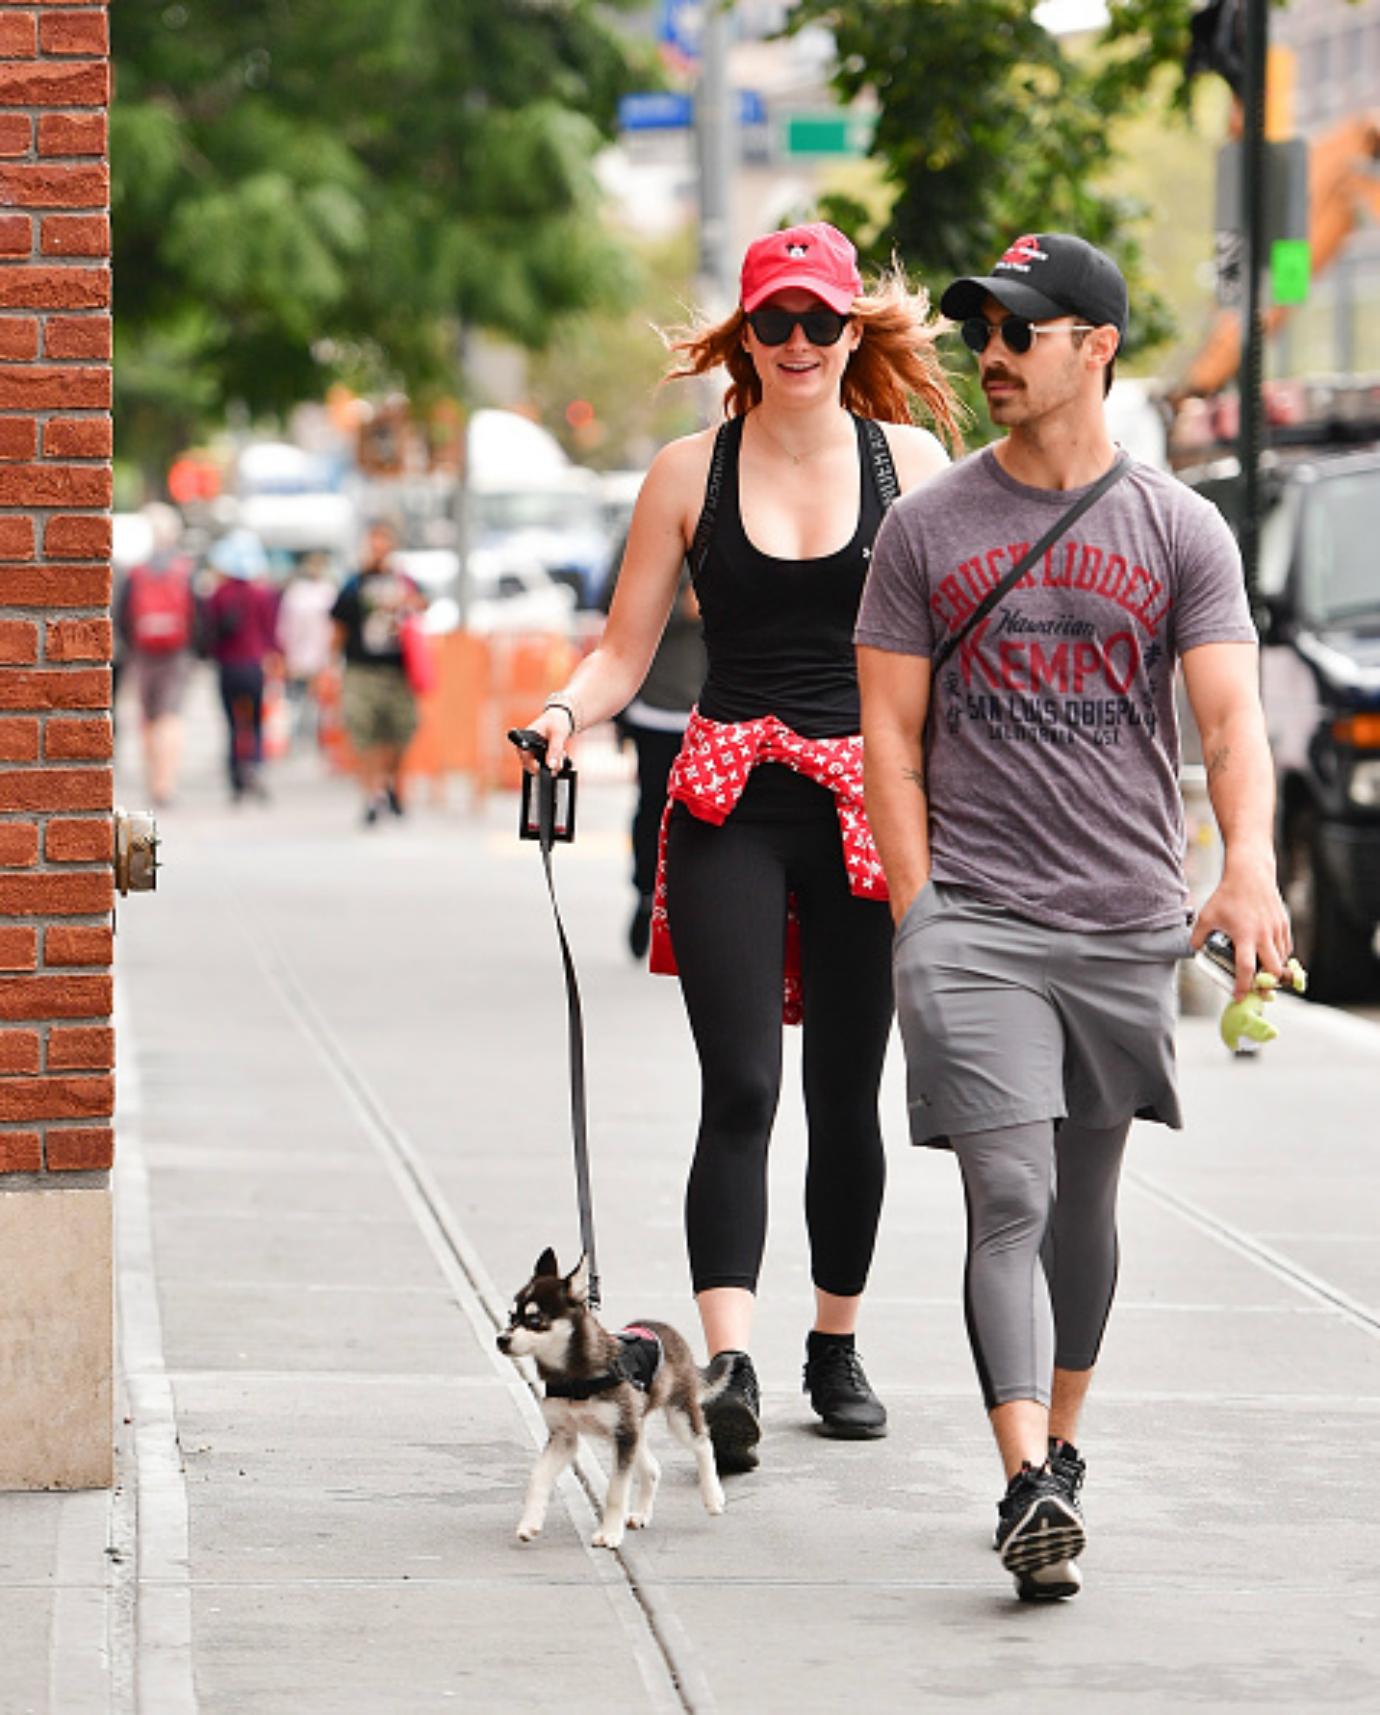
x: 566, y: 709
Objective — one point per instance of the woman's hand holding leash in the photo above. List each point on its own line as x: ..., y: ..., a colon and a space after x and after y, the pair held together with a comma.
x: 556, y: 726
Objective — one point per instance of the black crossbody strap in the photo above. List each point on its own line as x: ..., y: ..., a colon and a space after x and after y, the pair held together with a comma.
x: 883, y: 469
x: 1032, y: 557
x: 546, y: 823
x: 699, y: 548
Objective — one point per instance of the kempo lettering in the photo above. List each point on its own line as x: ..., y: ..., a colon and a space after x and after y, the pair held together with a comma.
x: 1046, y: 680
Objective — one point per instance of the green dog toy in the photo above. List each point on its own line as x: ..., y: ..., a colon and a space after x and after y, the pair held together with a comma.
x: 1244, y: 1020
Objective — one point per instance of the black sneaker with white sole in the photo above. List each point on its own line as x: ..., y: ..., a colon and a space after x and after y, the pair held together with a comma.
x: 733, y: 1411
x: 1039, y: 1526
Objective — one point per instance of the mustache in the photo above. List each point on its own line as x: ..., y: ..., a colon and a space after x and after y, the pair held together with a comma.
x: 997, y: 373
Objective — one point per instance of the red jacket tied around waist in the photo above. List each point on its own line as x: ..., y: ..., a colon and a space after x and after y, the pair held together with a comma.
x: 708, y: 778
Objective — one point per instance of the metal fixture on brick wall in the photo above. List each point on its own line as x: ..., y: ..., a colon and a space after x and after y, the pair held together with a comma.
x: 136, y: 851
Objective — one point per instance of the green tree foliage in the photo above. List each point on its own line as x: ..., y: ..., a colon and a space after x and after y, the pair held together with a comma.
x: 312, y: 188
x: 987, y: 128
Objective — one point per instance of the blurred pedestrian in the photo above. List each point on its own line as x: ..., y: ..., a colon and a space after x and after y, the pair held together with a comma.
x: 772, y: 888
x: 379, y: 708
x: 306, y: 634
x: 155, y: 625
x: 241, y: 625
x: 1025, y: 801
x: 655, y: 722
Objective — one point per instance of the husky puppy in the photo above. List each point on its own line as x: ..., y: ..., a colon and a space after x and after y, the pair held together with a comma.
x: 599, y: 1383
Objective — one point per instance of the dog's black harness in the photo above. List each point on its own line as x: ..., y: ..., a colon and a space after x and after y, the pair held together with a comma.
x: 638, y: 1363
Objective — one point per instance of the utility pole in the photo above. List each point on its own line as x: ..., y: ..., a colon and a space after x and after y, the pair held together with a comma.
x: 715, y: 140
x: 1253, y: 204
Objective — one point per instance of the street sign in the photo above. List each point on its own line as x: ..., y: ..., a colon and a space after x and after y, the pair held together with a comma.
x: 656, y: 110
x: 827, y: 133
x: 1289, y: 270
x: 674, y: 110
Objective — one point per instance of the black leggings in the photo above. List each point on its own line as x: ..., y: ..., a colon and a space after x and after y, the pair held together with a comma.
x: 726, y: 898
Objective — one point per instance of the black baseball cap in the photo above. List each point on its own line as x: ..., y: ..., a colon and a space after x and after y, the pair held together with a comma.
x: 1047, y: 274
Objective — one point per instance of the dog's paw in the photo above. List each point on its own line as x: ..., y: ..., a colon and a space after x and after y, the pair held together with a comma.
x: 528, y: 1529
x: 714, y: 1504
x: 639, y: 1521
x: 608, y: 1537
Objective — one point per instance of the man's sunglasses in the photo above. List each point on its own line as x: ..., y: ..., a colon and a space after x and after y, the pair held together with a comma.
x: 1017, y: 334
x: 775, y: 326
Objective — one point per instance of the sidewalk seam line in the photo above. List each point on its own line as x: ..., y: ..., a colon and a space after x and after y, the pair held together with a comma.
x: 677, y: 1683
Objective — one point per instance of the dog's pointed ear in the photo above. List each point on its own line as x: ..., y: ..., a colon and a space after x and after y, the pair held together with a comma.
x: 577, y: 1281
x: 546, y: 1263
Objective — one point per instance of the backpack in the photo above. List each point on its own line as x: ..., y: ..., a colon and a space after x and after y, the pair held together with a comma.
x: 159, y: 615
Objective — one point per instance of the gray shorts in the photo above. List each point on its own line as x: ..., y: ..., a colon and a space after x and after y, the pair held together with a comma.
x: 1006, y: 1022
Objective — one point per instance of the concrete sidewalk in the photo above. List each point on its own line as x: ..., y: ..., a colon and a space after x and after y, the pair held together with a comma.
x: 343, y: 1140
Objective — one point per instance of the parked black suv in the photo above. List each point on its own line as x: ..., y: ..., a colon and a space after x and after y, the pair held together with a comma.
x: 1319, y: 616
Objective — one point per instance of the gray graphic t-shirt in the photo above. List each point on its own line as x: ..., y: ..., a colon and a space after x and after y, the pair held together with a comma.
x: 1052, y: 747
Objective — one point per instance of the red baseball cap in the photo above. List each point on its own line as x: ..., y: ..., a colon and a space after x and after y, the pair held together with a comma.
x: 815, y: 258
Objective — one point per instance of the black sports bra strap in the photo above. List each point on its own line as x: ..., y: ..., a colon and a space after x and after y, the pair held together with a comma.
x: 713, y: 488
x: 883, y: 469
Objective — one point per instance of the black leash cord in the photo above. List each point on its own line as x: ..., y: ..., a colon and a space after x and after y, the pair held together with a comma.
x: 546, y: 825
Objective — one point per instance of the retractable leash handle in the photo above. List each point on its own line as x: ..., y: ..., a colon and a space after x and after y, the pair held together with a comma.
x: 555, y: 820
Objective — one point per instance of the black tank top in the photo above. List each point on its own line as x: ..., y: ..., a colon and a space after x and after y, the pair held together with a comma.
x: 779, y: 633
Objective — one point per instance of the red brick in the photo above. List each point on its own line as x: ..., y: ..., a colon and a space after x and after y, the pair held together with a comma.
x: 78, y: 438
x: 56, y: 1098
x: 52, y: 288
x: 18, y: 742
x: 75, y: 235
x: 91, y: 1048
x: 54, y: 485
x: 55, y: 997
x: 77, y: 538
x: 77, y: 1149
x: 18, y: 339
x: 73, y: 134
x: 18, y: 437
x: 16, y: 235
x: 83, y: 85
x: 18, y: 844
x: 90, y: 840
x: 55, y: 789
x: 16, y: 541
x: 18, y: 641
x: 79, y: 741
x: 16, y: 134
x: 18, y: 948
x: 73, y: 688
x: 74, y: 33
x: 77, y: 944
x: 57, y: 586
x: 77, y: 336
x: 20, y: 1152
x: 56, y: 895
x: 18, y: 37
x: 54, y: 387
x: 78, y: 640
x: 19, y: 1052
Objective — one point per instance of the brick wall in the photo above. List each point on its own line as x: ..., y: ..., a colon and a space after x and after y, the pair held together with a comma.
x: 56, y: 1044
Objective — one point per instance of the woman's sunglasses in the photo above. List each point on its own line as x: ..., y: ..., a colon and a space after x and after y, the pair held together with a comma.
x: 775, y: 326
x: 1017, y: 334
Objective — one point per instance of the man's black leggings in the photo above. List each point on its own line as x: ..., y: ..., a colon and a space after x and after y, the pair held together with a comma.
x: 726, y: 898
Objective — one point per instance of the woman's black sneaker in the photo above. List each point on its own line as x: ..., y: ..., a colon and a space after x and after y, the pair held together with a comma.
x: 841, y: 1393
x: 733, y: 1411
x: 1038, y: 1525
x: 1067, y: 1466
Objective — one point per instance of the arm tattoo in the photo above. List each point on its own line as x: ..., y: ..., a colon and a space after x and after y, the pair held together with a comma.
x: 1217, y: 762
x: 915, y: 774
